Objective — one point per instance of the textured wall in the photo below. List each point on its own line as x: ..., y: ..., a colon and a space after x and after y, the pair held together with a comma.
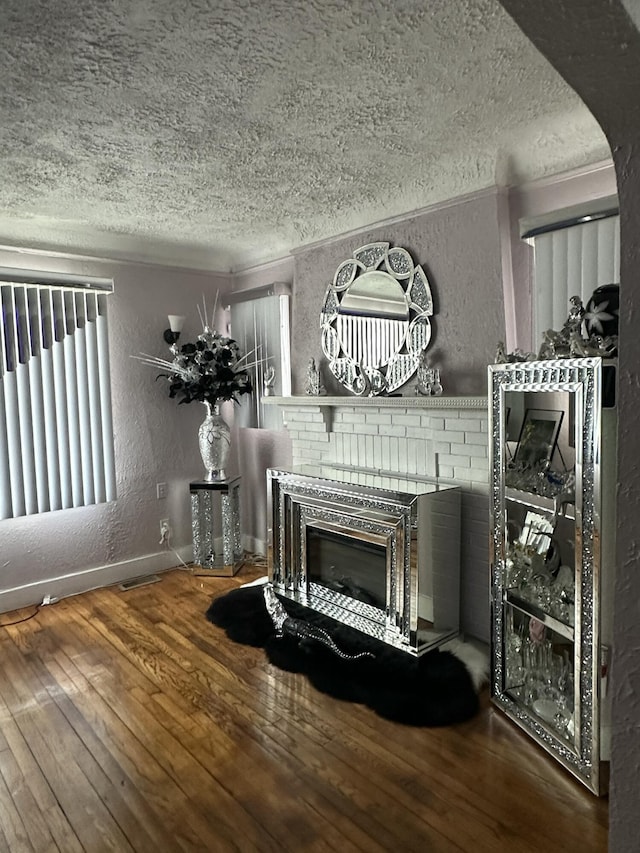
x: 458, y: 246
x: 626, y: 663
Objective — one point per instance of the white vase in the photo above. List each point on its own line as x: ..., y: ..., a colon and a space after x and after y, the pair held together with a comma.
x: 214, y: 440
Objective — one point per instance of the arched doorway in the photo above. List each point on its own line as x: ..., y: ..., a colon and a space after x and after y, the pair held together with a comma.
x: 595, y: 46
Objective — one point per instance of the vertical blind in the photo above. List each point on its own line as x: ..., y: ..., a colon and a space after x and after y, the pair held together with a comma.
x: 56, y: 433
x: 572, y: 261
x: 261, y: 325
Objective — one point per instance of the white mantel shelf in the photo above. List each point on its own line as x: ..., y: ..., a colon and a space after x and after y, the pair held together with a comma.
x: 380, y: 402
x: 433, y: 438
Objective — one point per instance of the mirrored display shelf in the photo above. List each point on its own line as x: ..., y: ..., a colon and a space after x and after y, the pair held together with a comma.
x: 540, y: 678
x: 539, y: 502
x: 552, y: 427
x: 513, y: 597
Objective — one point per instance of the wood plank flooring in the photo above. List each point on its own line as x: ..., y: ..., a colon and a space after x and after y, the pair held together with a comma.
x: 130, y: 723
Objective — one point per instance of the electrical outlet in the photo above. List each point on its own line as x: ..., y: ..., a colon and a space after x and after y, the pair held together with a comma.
x: 161, y: 491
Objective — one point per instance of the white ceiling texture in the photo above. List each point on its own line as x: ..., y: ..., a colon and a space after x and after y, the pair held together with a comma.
x: 221, y: 134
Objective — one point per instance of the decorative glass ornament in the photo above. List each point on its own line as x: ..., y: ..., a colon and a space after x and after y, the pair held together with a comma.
x: 602, y: 314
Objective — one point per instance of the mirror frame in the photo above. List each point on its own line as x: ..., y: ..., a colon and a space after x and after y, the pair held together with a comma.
x: 390, y: 369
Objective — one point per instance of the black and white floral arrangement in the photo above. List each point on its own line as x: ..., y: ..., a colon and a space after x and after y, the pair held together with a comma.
x: 210, y: 369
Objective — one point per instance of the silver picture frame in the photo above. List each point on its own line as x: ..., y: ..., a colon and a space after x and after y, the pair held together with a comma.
x: 538, y: 437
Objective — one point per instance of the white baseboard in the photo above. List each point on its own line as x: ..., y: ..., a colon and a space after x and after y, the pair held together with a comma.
x: 83, y: 581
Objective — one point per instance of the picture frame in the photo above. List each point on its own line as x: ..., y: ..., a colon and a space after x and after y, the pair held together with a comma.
x: 538, y: 437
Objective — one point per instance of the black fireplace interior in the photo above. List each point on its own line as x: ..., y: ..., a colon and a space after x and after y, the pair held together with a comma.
x: 347, y: 565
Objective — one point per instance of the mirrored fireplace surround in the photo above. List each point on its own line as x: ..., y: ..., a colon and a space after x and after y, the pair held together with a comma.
x: 440, y: 440
x: 383, y: 561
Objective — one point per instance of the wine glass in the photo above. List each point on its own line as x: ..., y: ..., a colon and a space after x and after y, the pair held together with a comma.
x: 436, y: 387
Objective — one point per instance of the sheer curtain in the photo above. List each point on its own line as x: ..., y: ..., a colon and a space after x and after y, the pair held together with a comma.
x: 260, y: 324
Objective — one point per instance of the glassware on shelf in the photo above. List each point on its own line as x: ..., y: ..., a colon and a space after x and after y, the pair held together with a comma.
x: 428, y: 378
x: 541, y: 677
x: 436, y: 387
x: 515, y: 670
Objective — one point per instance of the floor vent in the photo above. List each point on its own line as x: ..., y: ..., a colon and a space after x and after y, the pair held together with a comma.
x: 135, y: 582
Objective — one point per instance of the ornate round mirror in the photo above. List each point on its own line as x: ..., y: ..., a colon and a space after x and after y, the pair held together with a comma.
x: 375, y: 320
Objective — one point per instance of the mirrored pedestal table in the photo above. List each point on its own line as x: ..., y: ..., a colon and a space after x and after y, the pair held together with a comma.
x: 215, y: 521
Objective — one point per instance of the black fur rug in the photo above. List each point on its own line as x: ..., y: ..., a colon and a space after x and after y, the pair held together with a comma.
x: 435, y: 689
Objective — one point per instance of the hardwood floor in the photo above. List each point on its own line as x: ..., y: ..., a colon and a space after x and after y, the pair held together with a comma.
x: 130, y: 723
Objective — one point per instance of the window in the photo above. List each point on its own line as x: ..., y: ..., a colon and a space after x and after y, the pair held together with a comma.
x: 260, y: 323
x: 56, y: 434
x: 576, y: 251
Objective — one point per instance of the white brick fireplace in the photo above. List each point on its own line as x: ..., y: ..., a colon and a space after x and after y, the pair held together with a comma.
x: 435, y: 439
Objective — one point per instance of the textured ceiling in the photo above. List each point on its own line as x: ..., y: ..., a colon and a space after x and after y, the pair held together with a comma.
x: 223, y: 134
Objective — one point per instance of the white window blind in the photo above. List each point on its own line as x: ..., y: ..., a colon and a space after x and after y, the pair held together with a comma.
x: 56, y: 433
x: 260, y: 324
x: 571, y: 260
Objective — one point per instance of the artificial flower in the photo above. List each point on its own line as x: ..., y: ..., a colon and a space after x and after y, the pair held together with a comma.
x: 209, y: 370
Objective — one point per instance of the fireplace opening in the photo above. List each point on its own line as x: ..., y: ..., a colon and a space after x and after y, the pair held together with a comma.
x: 349, y: 566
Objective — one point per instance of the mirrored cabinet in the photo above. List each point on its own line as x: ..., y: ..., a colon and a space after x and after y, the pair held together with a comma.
x: 553, y: 474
